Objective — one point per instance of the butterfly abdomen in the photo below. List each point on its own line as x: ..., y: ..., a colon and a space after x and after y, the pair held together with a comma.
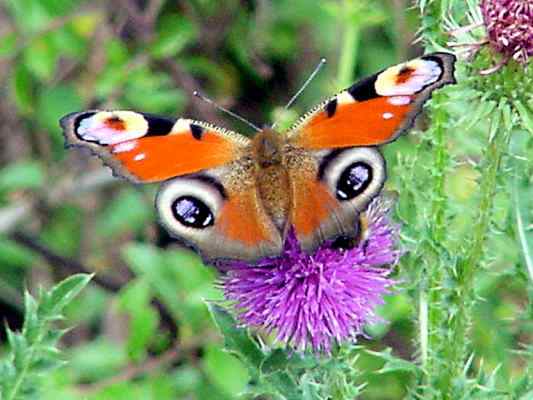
x: 271, y: 176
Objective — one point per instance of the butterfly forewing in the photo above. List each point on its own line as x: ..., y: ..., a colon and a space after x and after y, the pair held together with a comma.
x: 375, y: 110
x: 148, y: 148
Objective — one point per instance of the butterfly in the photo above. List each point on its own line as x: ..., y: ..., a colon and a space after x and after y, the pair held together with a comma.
x: 233, y: 197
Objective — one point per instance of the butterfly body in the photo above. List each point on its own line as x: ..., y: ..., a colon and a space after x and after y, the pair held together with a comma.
x: 230, y: 196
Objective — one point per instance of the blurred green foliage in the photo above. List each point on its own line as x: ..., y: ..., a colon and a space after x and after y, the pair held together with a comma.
x: 143, y: 329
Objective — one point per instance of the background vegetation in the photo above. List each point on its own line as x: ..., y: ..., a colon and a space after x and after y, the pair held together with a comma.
x: 460, y: 325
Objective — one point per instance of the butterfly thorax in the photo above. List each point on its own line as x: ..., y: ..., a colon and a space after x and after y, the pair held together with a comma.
x: 272, y: 177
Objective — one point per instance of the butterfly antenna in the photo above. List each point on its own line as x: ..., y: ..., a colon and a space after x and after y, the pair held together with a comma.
x: 220, y: 108
x: 305, y: 84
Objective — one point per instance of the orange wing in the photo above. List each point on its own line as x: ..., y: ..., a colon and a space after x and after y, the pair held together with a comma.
x: 377, y: 109
x: 148, y: 148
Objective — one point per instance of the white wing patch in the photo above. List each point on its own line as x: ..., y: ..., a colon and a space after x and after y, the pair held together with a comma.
x: 112, y: 127
x: 407, y: 78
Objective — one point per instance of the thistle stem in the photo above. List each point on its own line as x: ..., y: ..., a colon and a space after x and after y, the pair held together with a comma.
x: 348, y: 56
x: 433, y: 284
x: 462, y: 296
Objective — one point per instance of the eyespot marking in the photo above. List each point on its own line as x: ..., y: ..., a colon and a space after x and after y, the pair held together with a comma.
x: 353, y: 181
x: 404, y: 74
x: 388, y: 115
x: 115, y: 123
x: 330, y: 108
x: 197, y: 131
x: 192, y: 212
x: 111, y: 127
x: 215, y: 183
x: 408, y: 78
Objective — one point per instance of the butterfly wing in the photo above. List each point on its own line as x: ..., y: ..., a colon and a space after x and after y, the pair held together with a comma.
x: 377, y: 109
x: 334, y: 167
x: 329, y: 189
x: 209, y: 198
x: 149, y: 148
x: 220, y: 213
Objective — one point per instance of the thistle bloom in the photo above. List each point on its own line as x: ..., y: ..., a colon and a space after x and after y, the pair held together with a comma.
x: 509, y: 25
x: 312, y: 301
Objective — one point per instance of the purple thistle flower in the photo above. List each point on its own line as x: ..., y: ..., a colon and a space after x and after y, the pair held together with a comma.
x: 509, y: 25
x: 312, y: 301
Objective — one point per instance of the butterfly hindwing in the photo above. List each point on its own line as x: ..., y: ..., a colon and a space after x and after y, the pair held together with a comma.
x: 330, y: 189
x: 220, y: 213
x: 149, y: 148
x: 377, y: 109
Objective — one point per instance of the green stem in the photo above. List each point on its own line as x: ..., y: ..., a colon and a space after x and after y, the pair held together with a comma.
x: 461, y: 299
x: 521, y: 231
x: 432, y: 286
x: 348, y: 56
x: 423, y: 326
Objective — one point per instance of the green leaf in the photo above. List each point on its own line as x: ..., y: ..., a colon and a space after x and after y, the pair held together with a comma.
x: 56, y: 299
x: 40, y: 57
x: 127, y: 212
x: 31, y: 318
x: 34, y: 350
x: 526, y: 116
x: 52, y: 104
x: 236, y: 340
x: 174, y: 33
x: 21, y: 175
x: 97, y: 359
x: 277, y: 360
x: 12, y: 254
x: 64, y: 230
x: 393, y: 363
x: 30, y: 15
x: 8, y: 45
x: 143, y: 320
x: 21, y: 83
x: 225, y: 371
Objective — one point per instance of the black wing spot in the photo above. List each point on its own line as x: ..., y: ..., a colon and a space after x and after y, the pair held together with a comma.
x: 364, y: 89
x: 197, y: 131
x: 158, y: 126
x: 331, y: 107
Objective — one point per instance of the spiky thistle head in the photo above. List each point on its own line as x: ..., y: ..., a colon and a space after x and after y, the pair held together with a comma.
x: 311, y: 301
x: 509, y: 25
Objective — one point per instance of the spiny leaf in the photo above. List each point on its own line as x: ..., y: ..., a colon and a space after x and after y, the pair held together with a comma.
x: 526, y: 115
x: 236, y: 340
x: 393, y: 363
x: 54, y: 301
x: 33, y: 351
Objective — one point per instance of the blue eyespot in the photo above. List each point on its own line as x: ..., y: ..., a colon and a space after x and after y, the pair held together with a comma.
x: 353, y: 181
x: 192, y: 212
